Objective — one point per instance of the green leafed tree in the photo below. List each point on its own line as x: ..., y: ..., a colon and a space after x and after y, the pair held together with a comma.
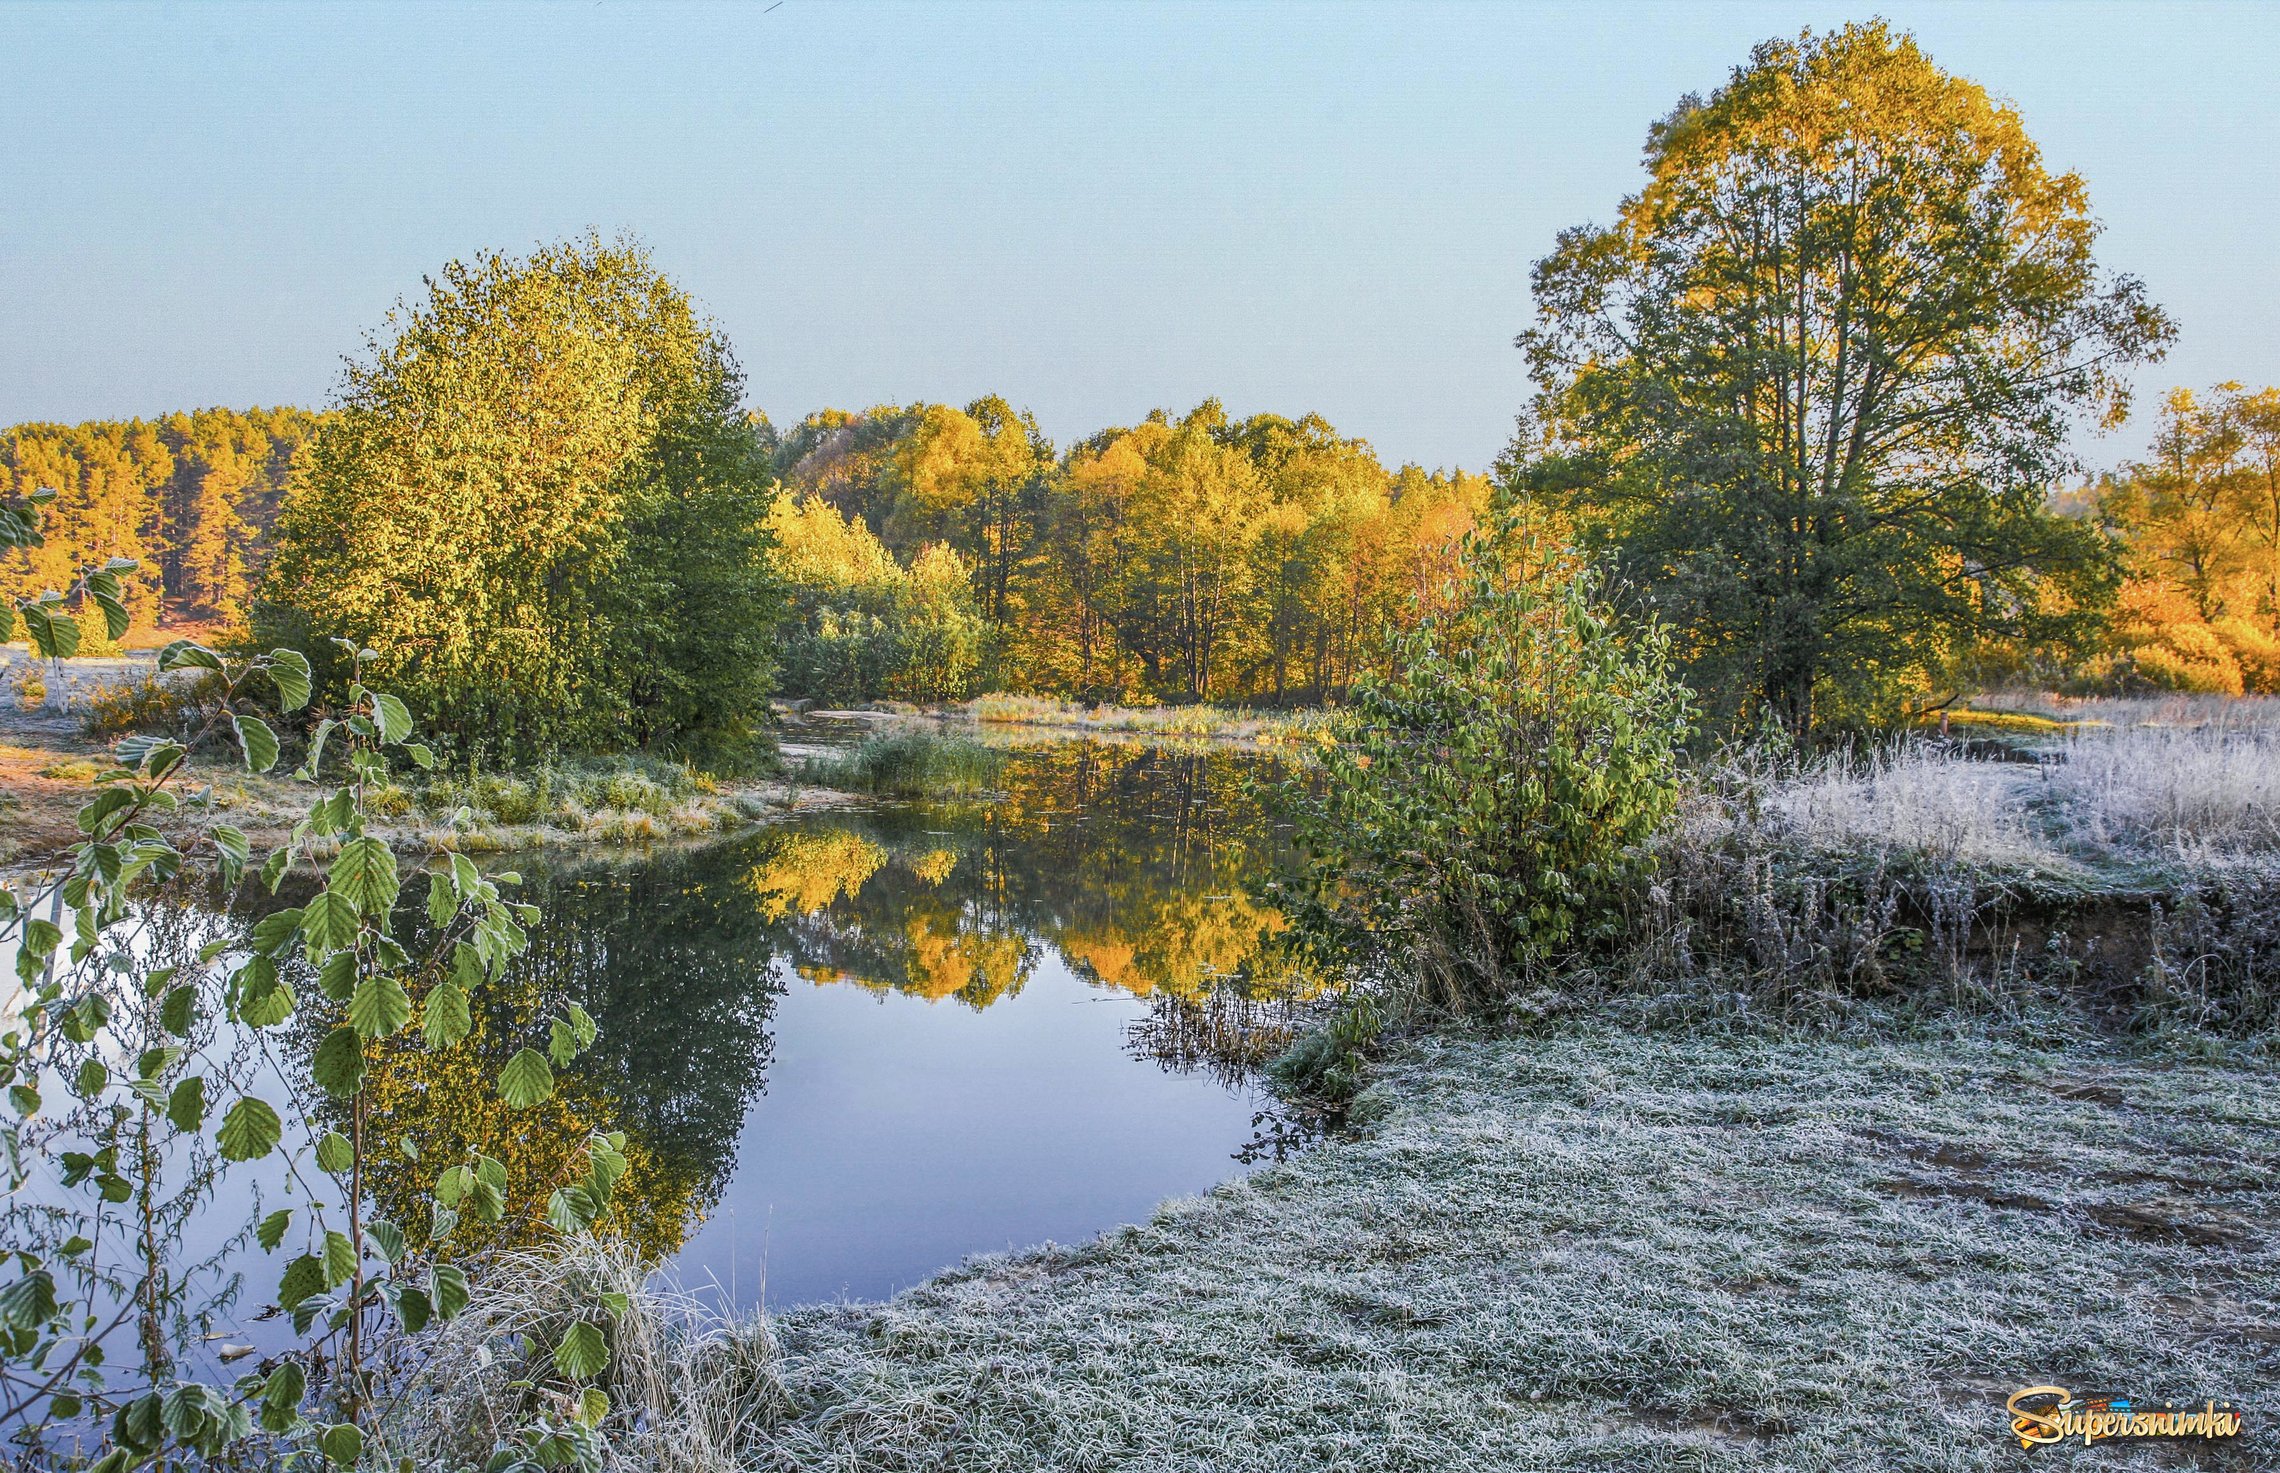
x: 1813, y: 384
x: 543, y: 508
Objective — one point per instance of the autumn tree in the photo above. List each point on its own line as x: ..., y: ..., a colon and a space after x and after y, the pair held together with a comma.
x: 190, y: 497
x: 2200, y: 520
x: 543, y: 507
x: 1812, y: 385
x: 975, y: 478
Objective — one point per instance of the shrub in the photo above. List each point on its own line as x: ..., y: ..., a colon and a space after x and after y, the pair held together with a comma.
x: 1493, y: 810
x: 175, y: 708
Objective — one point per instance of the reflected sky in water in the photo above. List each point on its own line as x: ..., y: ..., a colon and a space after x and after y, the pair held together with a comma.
x: 851, y: 1050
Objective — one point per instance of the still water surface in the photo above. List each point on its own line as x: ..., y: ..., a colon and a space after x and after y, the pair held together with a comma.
x: 852, y: 1049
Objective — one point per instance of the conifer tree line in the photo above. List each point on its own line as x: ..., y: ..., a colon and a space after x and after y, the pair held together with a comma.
x: 191, y: 497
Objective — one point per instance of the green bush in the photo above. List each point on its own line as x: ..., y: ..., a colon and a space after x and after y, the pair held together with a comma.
x: 1491, y: 814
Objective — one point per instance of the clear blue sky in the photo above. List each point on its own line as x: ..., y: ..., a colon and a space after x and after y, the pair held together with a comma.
x: 1091, y: 209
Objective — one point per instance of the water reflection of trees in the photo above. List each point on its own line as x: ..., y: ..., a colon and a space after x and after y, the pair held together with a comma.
x: 1138, y: 867
x: 672, y: 958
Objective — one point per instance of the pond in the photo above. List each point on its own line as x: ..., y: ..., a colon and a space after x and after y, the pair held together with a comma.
x: 850, y: 1050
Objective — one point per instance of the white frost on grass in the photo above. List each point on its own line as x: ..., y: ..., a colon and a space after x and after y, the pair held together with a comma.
x: 1913, y: 799
x: 2210, y: 790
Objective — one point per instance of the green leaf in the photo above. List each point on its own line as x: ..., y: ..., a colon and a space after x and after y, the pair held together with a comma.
x: 380, y: 1008
x: 392, y: 717
x: 336, y: 979
x: 335, y: 1153
x: 340, y: 1259
x: 593, y: 1405
x: 583, y: 1352
x: 422, y: 755
x: 29, y: 1302
x: 187, y: 654
x: 179, y: 1011
x: 186, y: 1106
x: 257, y: 741
x: 582, y: 1027
x: 338, y: 1066
x: 303, y: 1277
x: 385, y: 1241
x: 264, y: 999
x: 413, y: 1309
x: 328, y: 924
x: 569, y: 1210
x: 442, y: 901
x: 289, y: 672
x: 53, y: 636
x: 285, y: 1387
x: 250, y: 1130
x: 93, y: 1078
x: 271, y: 1230
x: 342, y: 1444
x: 273, y: 868
x: 447, y: 1286
x: 444, y: 1018
x: 364, y: 873
x: 103, y: 587
x: 276, y: 932
x: 526, y: 1080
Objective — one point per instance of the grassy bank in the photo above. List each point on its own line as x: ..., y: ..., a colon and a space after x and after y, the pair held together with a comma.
x: 1197, y: 722
x: 1593, y: 1249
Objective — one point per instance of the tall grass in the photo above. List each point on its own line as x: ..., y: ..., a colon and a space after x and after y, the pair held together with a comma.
x: 908, y: 764
x: 1202, y: 720
x: 693, y: 1391
x: 2191, y: 792
x: 1907, y: 799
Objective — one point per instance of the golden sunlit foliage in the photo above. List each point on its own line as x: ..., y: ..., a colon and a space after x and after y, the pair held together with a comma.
x: 1197, y: 558
x: 190, y: 497
x: 2200, y: 518
x: 1810, y: 388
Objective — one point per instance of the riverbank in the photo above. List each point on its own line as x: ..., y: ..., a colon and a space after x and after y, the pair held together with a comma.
x: 1610, y: 1249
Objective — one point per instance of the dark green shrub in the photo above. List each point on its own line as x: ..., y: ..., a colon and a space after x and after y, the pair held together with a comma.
x: 1491, y: 814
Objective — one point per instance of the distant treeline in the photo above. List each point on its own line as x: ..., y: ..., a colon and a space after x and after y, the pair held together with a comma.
x: 929, y: 551
x: 933, y: 550
x: 191, y: 497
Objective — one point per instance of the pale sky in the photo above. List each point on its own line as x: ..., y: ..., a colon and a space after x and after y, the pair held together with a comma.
x: 1094, y: 210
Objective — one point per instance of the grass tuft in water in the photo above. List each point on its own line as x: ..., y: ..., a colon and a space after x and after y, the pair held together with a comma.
x: 909, y: 764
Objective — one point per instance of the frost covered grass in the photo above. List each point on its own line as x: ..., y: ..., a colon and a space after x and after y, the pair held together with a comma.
x: 1601, y: 1249
x: 2190, y: 792
x: 692, y: 1389
x: 1909, y: 798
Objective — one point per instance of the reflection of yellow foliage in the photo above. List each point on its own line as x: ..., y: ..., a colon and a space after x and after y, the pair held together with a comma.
x: 448, y: 1103
x: 806, y: 872
x: 944, y: 959
x: 1174, y: 943
x: 1108, y: 961
x: 934, y: 866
